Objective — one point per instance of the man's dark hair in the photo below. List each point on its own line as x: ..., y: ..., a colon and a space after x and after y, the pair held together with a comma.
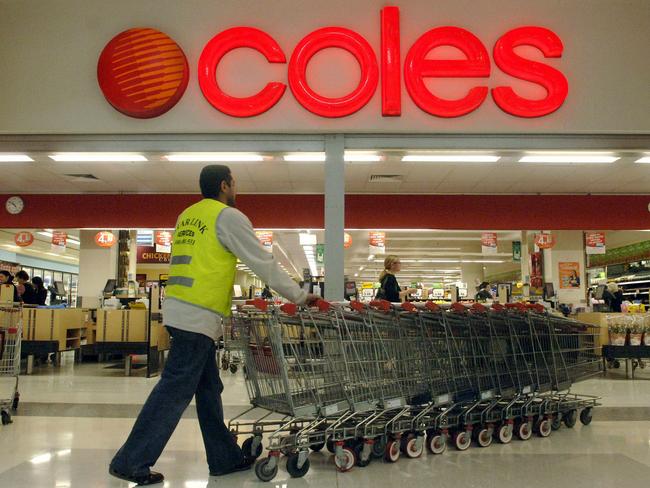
x: 22, y: 274
x: 7, y: 274
x: 211, y: 178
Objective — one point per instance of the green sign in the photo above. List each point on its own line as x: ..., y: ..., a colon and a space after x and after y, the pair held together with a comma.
x: 621, y: 255
x: 320, y: 253
x: 516, y: 251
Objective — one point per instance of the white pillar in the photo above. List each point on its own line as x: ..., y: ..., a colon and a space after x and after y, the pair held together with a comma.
x: 525, y: 258
x: 569, y: 248
x: 334, y: 217
x: 96, y: 265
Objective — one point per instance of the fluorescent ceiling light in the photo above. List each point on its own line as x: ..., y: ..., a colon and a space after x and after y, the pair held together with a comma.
x: 569, y: 158
x: 644, y: 159
x: 213, y: 157
x: 15, y: 158
x: 307, y: 239
x: 79, y: 157
x: 305, y: 157
x: 451, y: 158
x: 359, y: 157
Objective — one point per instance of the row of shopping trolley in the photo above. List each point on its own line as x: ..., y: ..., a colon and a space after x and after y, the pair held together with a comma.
x: 382, y: 380
x: 10, y: 340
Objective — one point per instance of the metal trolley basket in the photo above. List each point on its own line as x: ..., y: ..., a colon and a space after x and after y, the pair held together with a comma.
x: 10, y: 337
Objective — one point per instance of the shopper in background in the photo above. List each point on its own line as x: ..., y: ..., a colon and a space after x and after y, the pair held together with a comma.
x: 6, y: 278
x: 389, y: 289
x: 41, y: 292
x: 209, y: 238
x: 26, y: 290
x: 266, y: 293
x: 484, y: 292
x: 613, y: 297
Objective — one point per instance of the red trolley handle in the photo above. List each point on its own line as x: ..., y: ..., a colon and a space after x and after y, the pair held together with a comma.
x: 383, y: 305
x: 431, y: 306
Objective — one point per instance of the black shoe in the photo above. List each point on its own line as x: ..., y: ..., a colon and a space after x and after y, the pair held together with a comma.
x: 152, y: 478
x: 245, y: 465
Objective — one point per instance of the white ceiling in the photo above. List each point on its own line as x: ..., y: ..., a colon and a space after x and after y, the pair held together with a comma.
x: 273, y: 175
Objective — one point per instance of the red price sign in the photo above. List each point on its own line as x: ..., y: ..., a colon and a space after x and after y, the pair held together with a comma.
x: 545, y: 240
x: 265, y: 237
x: 347, y: 240
x: 163, y: 237
x: 377, y: 239
x: 24, y: 239
x: 105, y: 239
x: 59, y: 239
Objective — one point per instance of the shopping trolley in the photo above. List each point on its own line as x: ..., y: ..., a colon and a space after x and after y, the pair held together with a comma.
x: 10, y: 337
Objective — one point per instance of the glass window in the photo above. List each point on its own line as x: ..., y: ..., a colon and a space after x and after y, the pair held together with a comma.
x: 58, y: 276
x: 48, y: 278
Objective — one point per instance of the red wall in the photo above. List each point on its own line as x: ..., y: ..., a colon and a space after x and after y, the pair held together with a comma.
x: 513, y: 212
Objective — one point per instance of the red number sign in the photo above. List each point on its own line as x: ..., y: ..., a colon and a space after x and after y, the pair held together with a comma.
x: 105, y: 239
x: 24, y: 239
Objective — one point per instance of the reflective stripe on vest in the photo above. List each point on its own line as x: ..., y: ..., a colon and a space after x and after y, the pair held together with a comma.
x: 202, y: 271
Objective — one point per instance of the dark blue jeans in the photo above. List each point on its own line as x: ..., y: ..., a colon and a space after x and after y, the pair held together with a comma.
x: 191, y: 370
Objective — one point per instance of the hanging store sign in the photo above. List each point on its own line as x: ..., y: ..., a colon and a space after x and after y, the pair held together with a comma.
x: 347, y: 240
x: 59, y: 241
x: 163, y: 240
x: 545, y: 240
x: 320, y: 253
x: 595, y: 243
x: 266, y: 239
x: 24, y: 239
x: 377, y: 242
x: 143, y: 72
x: 516, y: 251
x: 105, y: 239
x: 489, y: 243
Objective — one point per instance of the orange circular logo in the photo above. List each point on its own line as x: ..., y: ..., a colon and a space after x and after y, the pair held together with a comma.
x: 142, y: 72
x: 105, y: 239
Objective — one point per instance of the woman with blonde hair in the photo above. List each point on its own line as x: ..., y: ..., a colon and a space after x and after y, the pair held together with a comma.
x: 389, y: 288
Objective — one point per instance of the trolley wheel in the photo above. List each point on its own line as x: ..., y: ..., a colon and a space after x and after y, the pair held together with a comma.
x: 14, y: 405
x: 462, y: 440
x: 358, y: 448
x: 317, y: 447
x: 504, y: 433
x: 247, y: 448
x: 263, y: 471
x: 544, y: 428
x: 484, y: 438
x: 570, y: 419
x: 556, y: 423
x: 329, y: 443
x: 641, y: 364
x: 287, y: 444
x: 392, y: 451
x: 523, y: 430
x: 292, y: 466
x: 586, y: 416
x: 6, y: 418
x: 616, y: 363
x: 225, y: 363
x: 414, y: 447
x: 436, y: 442
x: 345, y: 461
x: 379, y: 447
x: 233, y: 368
x: 404, y: 441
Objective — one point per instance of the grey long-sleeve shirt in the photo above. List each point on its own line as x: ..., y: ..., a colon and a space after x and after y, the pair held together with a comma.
x: 236, y: 234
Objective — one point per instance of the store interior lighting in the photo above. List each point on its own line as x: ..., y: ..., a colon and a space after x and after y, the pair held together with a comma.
x: 84, y: 157
x: 569, y: 158
x: 644, y: 159
x: 305, y: 157
x: 213, y: 157
x: 361, y: 157
x: 450, y: 158
x: 15, y: 158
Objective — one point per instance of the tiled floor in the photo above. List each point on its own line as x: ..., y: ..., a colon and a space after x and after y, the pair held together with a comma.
x: 72, y: 420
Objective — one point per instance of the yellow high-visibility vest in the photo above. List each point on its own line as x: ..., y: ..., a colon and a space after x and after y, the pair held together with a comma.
x: 202, y: 271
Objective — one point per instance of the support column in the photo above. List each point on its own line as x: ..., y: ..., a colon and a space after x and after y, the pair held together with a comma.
x: 96, y: 265
x: 525, y: 258
x: 334, y: 217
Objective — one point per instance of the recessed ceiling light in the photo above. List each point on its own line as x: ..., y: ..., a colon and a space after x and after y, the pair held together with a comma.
x: 15, y: 158
x: 450, y: 158
x: 213, y: 157
x: 305, y: 157
x: 569, y: 158
x: 644, y: 159
x: 79, y: 157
